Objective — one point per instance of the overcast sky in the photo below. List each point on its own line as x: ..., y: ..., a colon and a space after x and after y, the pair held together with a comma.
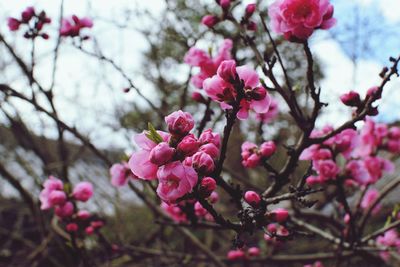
x: 78, y: 86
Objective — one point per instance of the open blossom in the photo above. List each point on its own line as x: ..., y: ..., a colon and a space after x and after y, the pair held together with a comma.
x: 327, y: 169
x: 297, y: 19
x: 174, y: 211
x: 208, y: 65
x: 221, y: 89
x: 73, y: 25
x: 120, y: 174
x: 271, y: 114
x: 140, y: 162
x: 179, y: 123
x: 175, y: 181
x: 370, y: 196
x: 368, y: 170
x: 50, y: 185
x: 83, y: 191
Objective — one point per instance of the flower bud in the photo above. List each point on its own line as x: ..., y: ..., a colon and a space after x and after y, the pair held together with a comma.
x: 236, y: 255
x: 225, y: 3
x: 179, y: 123
x: 57, y: 197
x: 97, y: 224
x: 252, y: 161
x: 65, y: 210
x: 27, y: 14
x: 208, y: 136
x: 374, y: 92
x: 83, y: 215
x: 89, y: 230
x: 83, y: 191
x: 227, y: 70
x: 196, y: 96
x: 279, y: 215
x: 210, y: 20
x: 351, y: 99
x: 161, y: 154
x: 13, y: 24
x: 203, y: 162
x: 267, y: 149
x: 213, y: 198
x: 199, y: 210
x: 251, y: 26
x: 207, y: 186
x: 210, y: 149
x: 252, y: 198
x: 188, y: 146
x: 250, y: 8
x: 253, y: 252
x: 71, y: 227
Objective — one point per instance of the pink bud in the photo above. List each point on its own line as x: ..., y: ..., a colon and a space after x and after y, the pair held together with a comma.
x: 210, y: 20
x: 351, y: 99
x: 252, y: 161
x: 199, y: 209
x: 179, y: 123
x: 213, y: 198
x: 57, y: 197
x: 97, y: 224
x: 83, y: 191
x: 253, y: 252
x: 161, y: 154
x: 225, y: 3
x: 280, y: 215
x: 346, y: 218
x: 267, y: 149
x: 71, y: 227
x: 83, y: 214
x: 208, y: 136
x: 207, y: 186
x: 203, y: 162
x: 89, y: 230
x: 196, y: 96
x: 394, y: 132
x: 313, y: 180
x: 227, y: 70
x: 236, y: 255
x: 252, y: 198
x: 65, y: 210
x: 252, y: 26
x: 27, y: 14
x: 188, y: 146
x: 13, y: 24
x: 272, y: 228
x: 210, y: 149
x: 250, y: 9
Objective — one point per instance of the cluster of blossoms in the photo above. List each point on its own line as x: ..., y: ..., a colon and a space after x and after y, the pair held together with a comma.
x: 224, y: 83
x: 73, y: 25
x: 58, y: 196
x: 253, y: 155
x: 176, y: 159
x: 297, y: 19
x: 34, y: 22
x: 359, y: 150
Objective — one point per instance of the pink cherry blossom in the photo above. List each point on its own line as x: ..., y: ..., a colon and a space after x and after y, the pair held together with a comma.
x: 73, y: 25
x: 188, y: 146
x: 13, y: 24
x: 65, y: 210
x: 297, y: 19
x: 175, y: 181
x: 208, y: 65
x: 83, y: 191
x: 370, y: 196
x: 250, y: 156
x: 50, y: 185
x: 208, y: 136
x: 252, y: 198
x: 203, y: 162
x: 120, y: 174
x: 271, y: 114
x: 174, y: 212
x: 161, y: 154
x: 179, y: 123
x: 140, y: 163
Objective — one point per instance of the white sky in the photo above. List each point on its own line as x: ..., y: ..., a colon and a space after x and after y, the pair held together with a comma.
x: 77, y: 85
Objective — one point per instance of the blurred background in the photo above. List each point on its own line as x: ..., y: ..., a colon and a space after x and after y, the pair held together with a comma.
x: 130, y: 72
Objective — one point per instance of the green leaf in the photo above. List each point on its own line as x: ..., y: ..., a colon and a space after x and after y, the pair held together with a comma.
x: 153, y: 135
